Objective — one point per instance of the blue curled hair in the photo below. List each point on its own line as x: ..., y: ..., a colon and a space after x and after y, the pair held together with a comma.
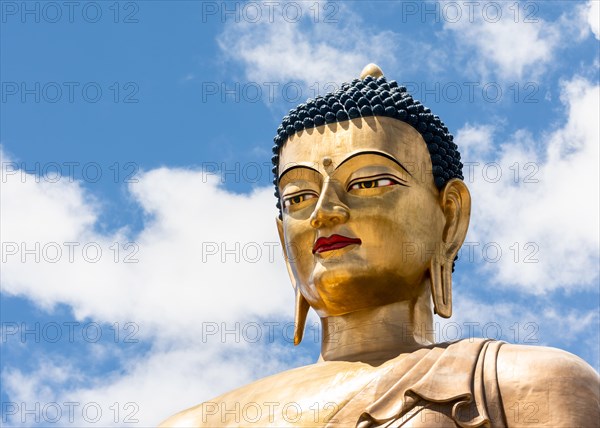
x: 373, y: 97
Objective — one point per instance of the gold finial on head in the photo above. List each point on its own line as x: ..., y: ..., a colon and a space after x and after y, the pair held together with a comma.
x: 371, y: 70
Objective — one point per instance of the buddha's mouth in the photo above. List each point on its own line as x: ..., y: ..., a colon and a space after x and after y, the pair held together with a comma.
x: 334, y: 242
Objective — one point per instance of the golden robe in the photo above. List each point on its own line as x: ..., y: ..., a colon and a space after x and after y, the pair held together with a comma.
x: 442, y: 385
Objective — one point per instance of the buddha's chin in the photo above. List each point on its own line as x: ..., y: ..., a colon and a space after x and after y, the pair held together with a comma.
x: 345, y: 286
x: 337, y: 289
x: 335, y: 268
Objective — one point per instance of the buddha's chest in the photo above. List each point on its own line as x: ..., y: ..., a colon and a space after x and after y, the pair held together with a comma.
x: 325, y: 396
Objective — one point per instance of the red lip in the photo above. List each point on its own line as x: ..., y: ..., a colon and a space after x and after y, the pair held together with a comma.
x: 333, y: 242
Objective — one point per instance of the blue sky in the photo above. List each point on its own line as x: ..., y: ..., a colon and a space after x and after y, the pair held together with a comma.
x: 140, y: 264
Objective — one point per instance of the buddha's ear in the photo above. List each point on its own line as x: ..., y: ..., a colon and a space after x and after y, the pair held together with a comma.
x: 301, y: 306
x: 455, y: 201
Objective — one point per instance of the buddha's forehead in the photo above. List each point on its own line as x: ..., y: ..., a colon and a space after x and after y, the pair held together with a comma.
x: 337, y: 141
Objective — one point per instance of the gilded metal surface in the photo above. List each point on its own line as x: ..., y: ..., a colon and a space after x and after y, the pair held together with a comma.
x: 369, y: 243
x: 371, y: 70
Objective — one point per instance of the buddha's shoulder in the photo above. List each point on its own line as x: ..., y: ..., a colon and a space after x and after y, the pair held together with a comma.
x: 535, y: 363
x: 299, y: 388
x: 547, y: 385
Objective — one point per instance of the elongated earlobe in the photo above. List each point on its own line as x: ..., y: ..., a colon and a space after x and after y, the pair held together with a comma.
x: 455, y: 201
x: 301, y: 305
x: 302, y: 308
x: 441, y: 285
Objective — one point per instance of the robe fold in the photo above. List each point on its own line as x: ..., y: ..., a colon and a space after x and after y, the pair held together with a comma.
x: 435, y: 386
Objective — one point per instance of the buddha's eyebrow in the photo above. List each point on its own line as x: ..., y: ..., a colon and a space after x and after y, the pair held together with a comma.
x: 376, y: 153
x: 296, y: 167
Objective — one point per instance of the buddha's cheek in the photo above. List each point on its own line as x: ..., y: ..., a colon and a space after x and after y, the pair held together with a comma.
x: 396, y: 241
x: 412, y: 233
x: 299, y: 241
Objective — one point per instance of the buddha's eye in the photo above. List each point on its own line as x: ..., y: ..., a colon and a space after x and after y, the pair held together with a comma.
x: 372, y: 183
x: 297, y: 199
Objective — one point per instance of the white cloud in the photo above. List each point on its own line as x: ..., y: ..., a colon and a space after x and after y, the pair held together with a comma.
x: 545, y: 204
x: 593, y: 17
x: 151, y: 388
x: 194, y: 233
x: 315, y: 55
x: 508, y: 42
x: 490, y: 40
x: 177, y: 288
x: 475, y: 140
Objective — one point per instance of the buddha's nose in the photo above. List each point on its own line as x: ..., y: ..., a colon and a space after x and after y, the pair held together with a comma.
x: 329, y: 210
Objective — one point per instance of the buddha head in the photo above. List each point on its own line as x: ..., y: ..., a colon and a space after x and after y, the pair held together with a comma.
x: 372, y: 206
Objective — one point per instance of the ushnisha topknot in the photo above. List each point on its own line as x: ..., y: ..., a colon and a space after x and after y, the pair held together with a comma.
x: 373, y: 95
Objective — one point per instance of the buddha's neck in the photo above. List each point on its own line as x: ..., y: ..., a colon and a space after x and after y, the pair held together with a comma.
x: 376, y: 335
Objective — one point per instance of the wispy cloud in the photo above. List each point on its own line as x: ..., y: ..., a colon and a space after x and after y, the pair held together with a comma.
x: 536, y: 197
x: 512, y: 41
x: 305, y: 51
x: 593, y: 17
x: 534, y: 321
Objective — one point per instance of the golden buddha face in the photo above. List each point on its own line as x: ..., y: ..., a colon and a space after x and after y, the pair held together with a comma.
x: 362, y: 216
